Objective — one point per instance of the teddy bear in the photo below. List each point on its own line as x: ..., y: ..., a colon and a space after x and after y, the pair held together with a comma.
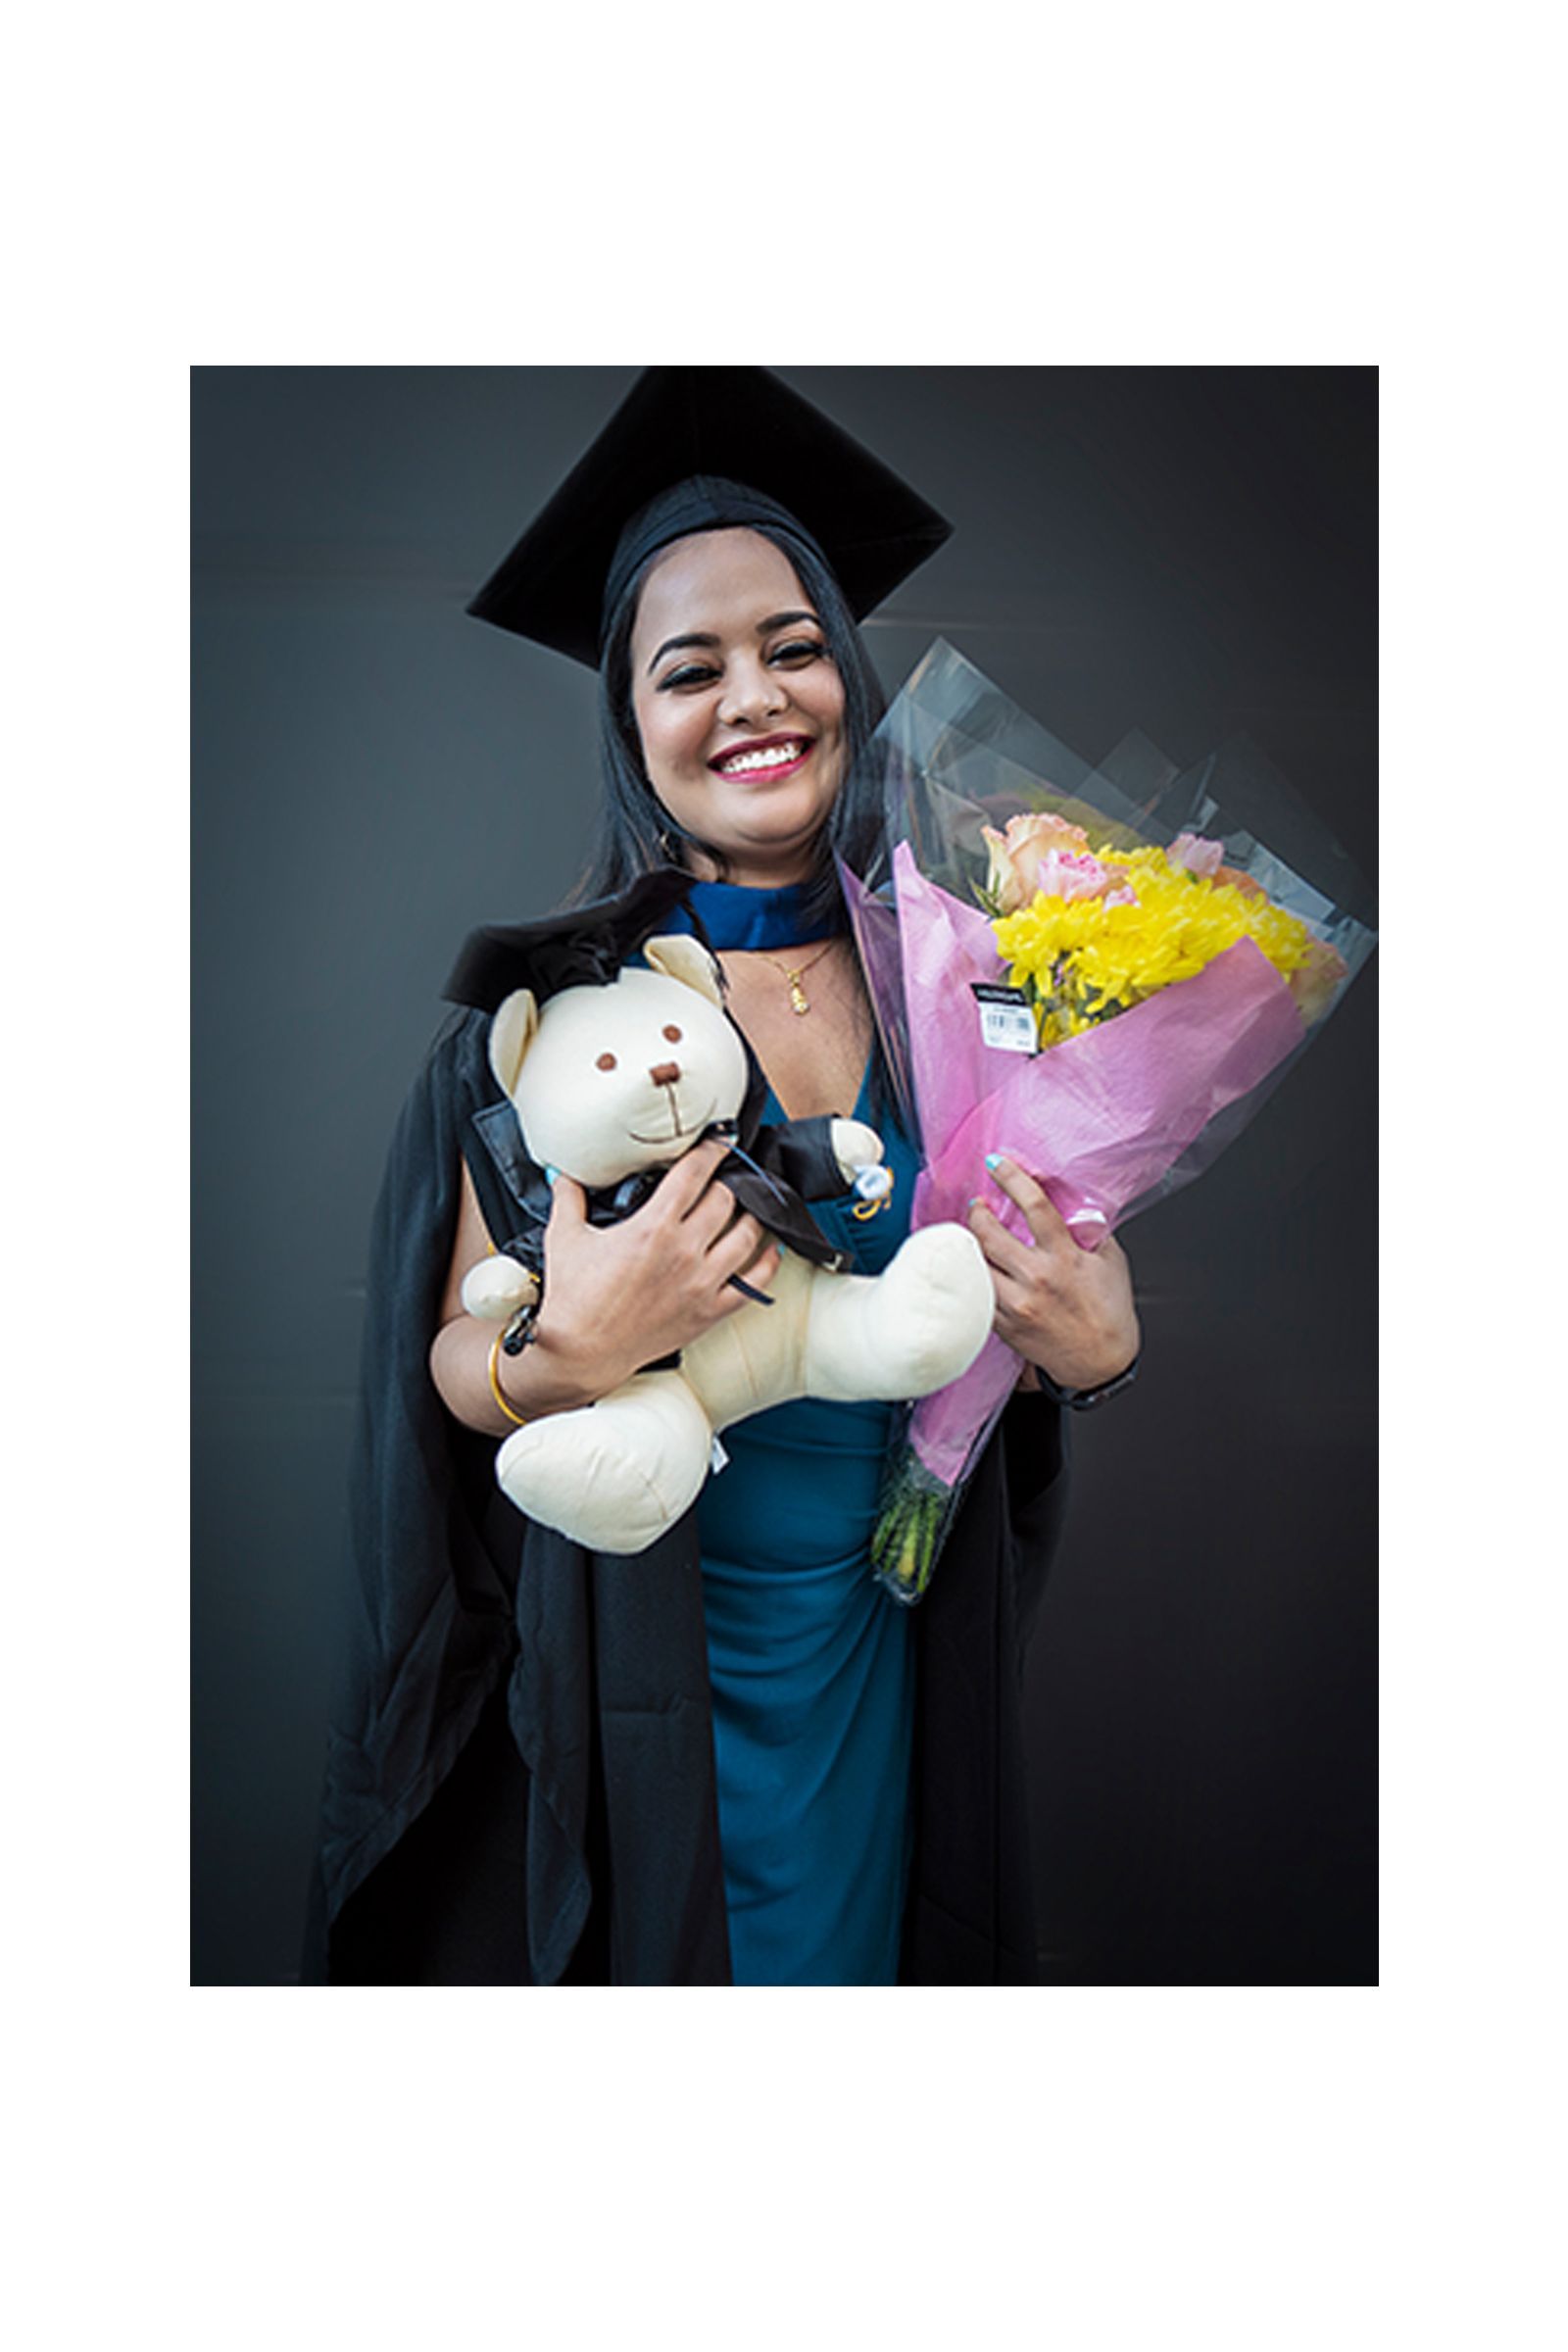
x: 612, y: 1082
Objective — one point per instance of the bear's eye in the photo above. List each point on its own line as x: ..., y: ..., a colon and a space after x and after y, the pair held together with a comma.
x: 606, y: 1062
x: 672, y: 1033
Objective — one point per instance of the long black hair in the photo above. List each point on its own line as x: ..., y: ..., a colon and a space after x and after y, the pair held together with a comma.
x: 636, y: 831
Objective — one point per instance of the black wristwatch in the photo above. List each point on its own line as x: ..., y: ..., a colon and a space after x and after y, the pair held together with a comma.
x: 1081, y: 1400
x: 520, y: 1332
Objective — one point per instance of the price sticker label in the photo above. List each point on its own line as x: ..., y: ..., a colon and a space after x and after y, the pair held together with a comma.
x: 1006, y: 1023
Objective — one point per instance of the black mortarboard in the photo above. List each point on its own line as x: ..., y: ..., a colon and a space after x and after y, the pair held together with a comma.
x: 581, y: 946
x: 744, y: 446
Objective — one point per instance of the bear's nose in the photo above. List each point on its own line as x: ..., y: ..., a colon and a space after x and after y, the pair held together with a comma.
x: 665, y: 1073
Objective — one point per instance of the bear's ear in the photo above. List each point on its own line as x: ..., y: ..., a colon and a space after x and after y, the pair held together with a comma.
x: 684, y: 958
x: 511, y: 1033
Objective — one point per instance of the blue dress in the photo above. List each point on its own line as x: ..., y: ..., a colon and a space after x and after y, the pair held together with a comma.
x: 812, y: 1666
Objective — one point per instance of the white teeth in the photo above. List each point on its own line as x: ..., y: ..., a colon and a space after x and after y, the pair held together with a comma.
x: 778, y: 756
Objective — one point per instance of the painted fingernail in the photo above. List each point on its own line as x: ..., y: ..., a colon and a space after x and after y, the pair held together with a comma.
x: 996, y: 1159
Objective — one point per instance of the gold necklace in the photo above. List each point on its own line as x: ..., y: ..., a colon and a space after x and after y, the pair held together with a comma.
x: 799, y: 1002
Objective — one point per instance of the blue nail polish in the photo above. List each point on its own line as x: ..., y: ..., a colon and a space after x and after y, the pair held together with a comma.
x: 551, y: 1174
x: 994, y: 1160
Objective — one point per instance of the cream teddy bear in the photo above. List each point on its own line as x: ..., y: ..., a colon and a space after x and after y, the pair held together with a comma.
x: 612, y: 1079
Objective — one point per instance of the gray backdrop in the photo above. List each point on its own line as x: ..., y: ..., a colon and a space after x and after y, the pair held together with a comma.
x: 1192, y: 551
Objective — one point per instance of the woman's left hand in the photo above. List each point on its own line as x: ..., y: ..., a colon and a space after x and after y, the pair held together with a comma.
x: 1069, y: 1310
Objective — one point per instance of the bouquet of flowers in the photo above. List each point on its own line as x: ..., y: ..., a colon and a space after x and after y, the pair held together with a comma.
x: 1101, y: 971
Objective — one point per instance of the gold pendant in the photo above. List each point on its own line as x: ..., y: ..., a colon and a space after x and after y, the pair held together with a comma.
x: 798, y: 996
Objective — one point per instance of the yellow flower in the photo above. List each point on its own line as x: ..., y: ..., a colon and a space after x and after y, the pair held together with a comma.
x: 1082, y: 959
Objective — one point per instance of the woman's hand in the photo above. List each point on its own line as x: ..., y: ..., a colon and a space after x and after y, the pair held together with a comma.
x: 1066, y: 1310
x: 615, y: 1297
x: 619, y: 1297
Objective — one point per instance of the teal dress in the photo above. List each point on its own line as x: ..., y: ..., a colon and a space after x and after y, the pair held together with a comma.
x: 812, y: 1667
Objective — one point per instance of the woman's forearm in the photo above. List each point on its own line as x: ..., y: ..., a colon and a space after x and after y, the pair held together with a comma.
x: 547, y: 1377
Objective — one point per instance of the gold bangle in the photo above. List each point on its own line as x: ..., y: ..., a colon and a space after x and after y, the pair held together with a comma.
x: 521, y: 1419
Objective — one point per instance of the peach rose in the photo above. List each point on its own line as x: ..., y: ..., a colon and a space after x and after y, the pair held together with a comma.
x: 1012, y: 877
x: 1312, y: 982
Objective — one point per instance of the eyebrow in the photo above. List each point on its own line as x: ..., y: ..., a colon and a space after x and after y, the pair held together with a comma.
x: 774, y: 620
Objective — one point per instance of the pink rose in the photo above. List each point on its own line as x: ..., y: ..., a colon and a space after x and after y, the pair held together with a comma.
x: 1206, y: 858
x: 1197, y: 856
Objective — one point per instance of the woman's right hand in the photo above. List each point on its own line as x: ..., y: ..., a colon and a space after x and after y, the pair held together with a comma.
x: 615, y: 1297
x: 619, y: 1297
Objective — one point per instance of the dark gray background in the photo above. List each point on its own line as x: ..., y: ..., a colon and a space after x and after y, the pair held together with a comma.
x: 1191, y: 551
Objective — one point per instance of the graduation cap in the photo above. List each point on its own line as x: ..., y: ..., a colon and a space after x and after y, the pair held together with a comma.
x: 745, y: 449
x: 583, y: 946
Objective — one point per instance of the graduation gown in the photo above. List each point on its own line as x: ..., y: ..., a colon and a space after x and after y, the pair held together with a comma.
x: 521, y: 1784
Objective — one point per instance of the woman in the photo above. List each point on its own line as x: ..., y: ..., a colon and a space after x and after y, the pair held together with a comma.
x: 732, y: 1758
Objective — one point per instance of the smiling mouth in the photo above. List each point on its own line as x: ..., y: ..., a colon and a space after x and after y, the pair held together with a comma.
x: 769, y: 760
x: 673, y: 1133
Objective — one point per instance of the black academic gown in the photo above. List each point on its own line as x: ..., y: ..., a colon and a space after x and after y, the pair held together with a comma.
x: 521, y: 1784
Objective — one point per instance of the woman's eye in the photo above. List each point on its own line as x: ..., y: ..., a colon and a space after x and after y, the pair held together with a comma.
x: 799, y: 650
x: 692, y: 673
